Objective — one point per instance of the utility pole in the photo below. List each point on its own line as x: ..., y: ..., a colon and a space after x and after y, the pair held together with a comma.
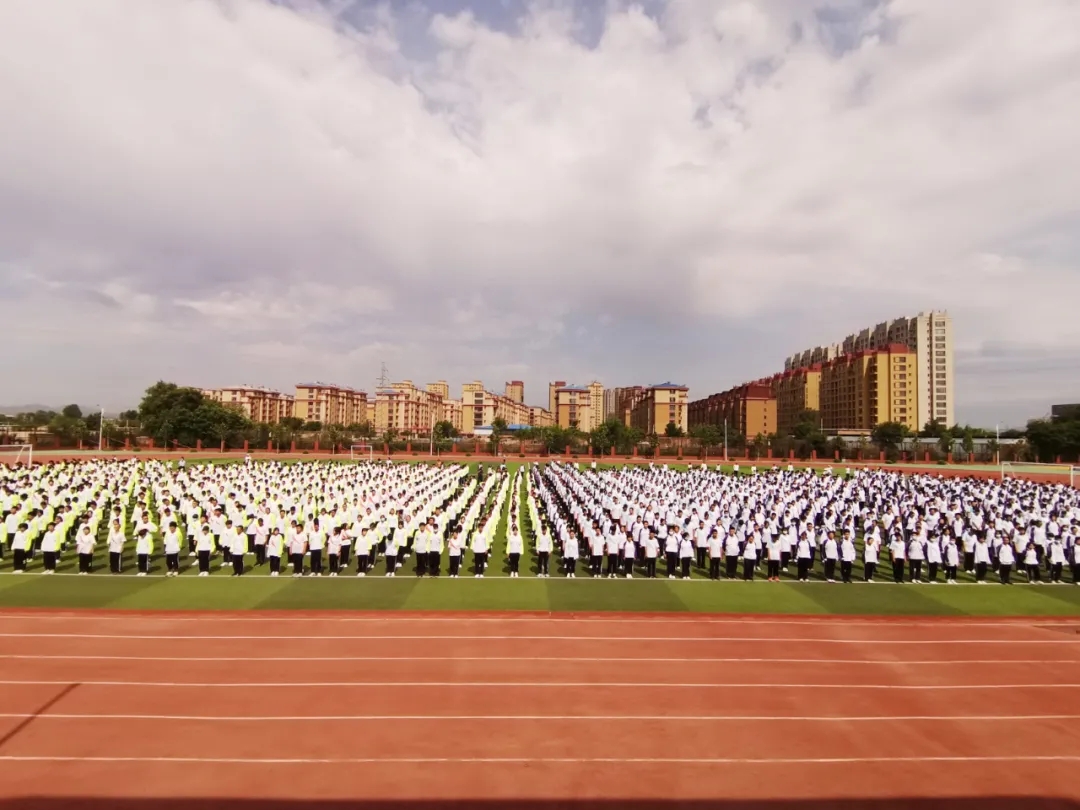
x: 725, y: 441
x: 100, y: 427
x: 384, y: 377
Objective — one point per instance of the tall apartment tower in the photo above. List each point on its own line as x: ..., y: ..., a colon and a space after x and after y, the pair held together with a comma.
x: 515, y: 390
x: 930, y: 337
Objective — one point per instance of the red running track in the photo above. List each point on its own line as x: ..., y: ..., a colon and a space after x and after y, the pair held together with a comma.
x: 420, y: 708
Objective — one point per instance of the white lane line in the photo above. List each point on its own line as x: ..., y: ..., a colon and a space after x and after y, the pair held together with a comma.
x: 815, y: 621
x: 444, y: 637
x: 541, y: 760
x: 541, y: 685
x: 724, y: 718
x: 535, y: 658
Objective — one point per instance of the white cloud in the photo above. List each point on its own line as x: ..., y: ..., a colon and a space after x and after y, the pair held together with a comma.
x: 222, y: 178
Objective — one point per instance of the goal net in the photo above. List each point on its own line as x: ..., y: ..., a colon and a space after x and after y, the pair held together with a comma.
x: 360, y: 452
x: 13, y: 454
x: 1053, y: 473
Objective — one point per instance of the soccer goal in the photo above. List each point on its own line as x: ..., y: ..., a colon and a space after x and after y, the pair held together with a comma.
x: 13, y: 454
x: 359, y: 452
x: 1056, y: 473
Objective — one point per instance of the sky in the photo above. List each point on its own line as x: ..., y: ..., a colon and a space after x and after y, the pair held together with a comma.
x: 219, y: 192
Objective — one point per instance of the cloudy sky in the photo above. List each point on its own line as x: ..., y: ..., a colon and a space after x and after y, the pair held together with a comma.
x: 246, y: 191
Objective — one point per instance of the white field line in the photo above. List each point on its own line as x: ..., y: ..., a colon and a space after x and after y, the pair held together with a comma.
x: 545, y: 760
x: 454, y: 637
x: 538, y: 685
x: 304, y: 659
x: 479, y: 618
x: 732, y: 718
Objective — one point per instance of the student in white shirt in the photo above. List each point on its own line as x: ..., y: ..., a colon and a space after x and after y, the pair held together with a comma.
x: 629, y: 555
x: 830, y: 554
x: 750, y: 557
x: 480, y: 548
x: 262, y: 534
x: 716, y: 554
x: 686, y: 555
x: 543, y: 549
x: 1055, y: 548
x: 732, y: 552
x: 570, y: 555
x: 20, y: 547
x: 333, y: 549
x: 316, y: 539
x: 898, y: 554
x: 454, y: 549
x: 951, y: 558
x: 116, y: 541
x: 847, y: 557
x: 651, y: 550
x: 143, y: 547
x: 238, y: 544
x: 274, y: 546
x: 84, y: 547
x: 435, y: 547
x: 1031, y: 562
x: 871, y: 549
x: 515, y: 546
x: 420, y: 546
x: 171, y: 543
x: 1006, y: 561
x: 982, y: 560
x: 50, y: 547
x: 204, y: 546
x: 804, y: 559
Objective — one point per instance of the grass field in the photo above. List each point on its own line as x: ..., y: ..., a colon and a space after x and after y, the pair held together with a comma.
x: 497, y: 591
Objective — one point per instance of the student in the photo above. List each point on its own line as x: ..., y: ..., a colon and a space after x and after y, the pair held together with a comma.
x: 420, y: 546
x: 982, y: 560
x: 596, y: 551
x: 871, y: 547
x: 116, y: 541
x: 262, y: 535
x: 1056, y: 551
x: 333, y: 549
x: 1076, y: 560
x: 20, y: 547
x: 897, y: 553
x: 204, y: 546
x: 480, y: 547
x: 933, y: 558
x: 671, y: 552
x: 172, y: 542
x: 629, y: 554
x: 316, y: 539
x: 732, y: 553
x: 750, y: 557
x: 686, y: 554
x: 84, y: 547
x: 611, y: 547
x: 297, y: 547
x: 515, y: 546
x: 1031, y: 562
x: 435, y: 547
x: 390, y: 552
x: 916, y: 552
x: 716, y: 555
x: 847, y: 558
x: 346, y: 545
x: 143, y: 546
x: 543, y: 550
x: 570, y: 555
x: 830, y: 553
x: 652, y: 550
x: 1006, y: 560
x: 50, y: 547
x: 951, y: 555
x: 238, y: 545
x: 275, y: 544
x: 454, y: 548
x: 803, y: 558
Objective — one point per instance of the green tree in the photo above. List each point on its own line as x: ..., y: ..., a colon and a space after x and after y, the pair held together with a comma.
x: 707, y: 435
x: 933, y: 430
x: 498, y: 431
x: 292, y: 422
x: 68, y: 428
x: 946, y: 441
x: 889, y: 435
x: 72, y: 412
x: 673, y: 431
x: 171, y: 413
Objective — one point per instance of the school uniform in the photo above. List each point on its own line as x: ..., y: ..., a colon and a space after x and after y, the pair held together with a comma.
x: 847, y: 559
x: 275, y: 544
x: 316, y: 544
x: 543, y: 552
x: 686, y: 556
x: 116, y: 541
x: 171, y: 543
x: 297, y: 548
x: 420, y: 546
x: 629, y: 555
x: 750, y: 558
x: 716, y: 555
x: 732, y: 553
x: 982, y: 560
x: 454, y: 549
x: 333, y: 551
x: 515, y: 547
x: 435, y: 549
x: 898, y: 554
x: 84, y: 547
x: 569, y: 555
x: 50, y: 548
x: 804, y: 558
x: 951, y: 556
x: 204, y: 546
x: 480, y: 548
x: 1006, y: 561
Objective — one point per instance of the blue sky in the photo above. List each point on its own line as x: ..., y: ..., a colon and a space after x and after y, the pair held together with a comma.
x: 244, y: 191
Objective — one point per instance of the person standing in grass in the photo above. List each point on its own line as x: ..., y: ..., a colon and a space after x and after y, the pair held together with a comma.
x: 686, y: 554
x: 804, y: 559
x: 750, y: 553
x: 420, y: 546
x: 982, y: 560
x: 732, y: 553
x: 847, y: 555
x: 204, y: 547
x: 830, y: 554
x: 333, y: 550
x: 1006, y: 561
x: 262, y: 535
x: 651, y: 551
x: 116, y: 541
x: 543, y: 550
x: 480, y: 548
x: 172, y: 541
x: 933, y: 556
x: 50, y: 547
x: 144, y: 546
x: 1055, y: 548
x: 671, y: 551
x: 570, y: 554
x: 1031, y: 562
x: 435, y: 545
x: 898, y: 555
x: 629, y: 555
x: 515, y: 547
x: 951, y: 556
x: 297, y: 547
x: 20, y: 547
x: 716, y: 554
x: 454, y: 549
x: 84, y: 547
x: 275, y: 544
x: 916, y: 552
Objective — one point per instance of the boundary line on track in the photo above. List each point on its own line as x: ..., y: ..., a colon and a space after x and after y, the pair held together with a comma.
x: 540, y: 760
x: 666, y: 639
x: 1021, y: 622
x: 720, y: 718
x: 546, y: 685
x: 535, y: 658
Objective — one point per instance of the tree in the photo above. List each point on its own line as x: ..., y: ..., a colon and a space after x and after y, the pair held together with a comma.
x: 498, y: 430
x: 1051, y: 439
x: 445, y: 430
x: 707, y: 435
x: 889, y: 435
x: 129, y: 416
x: 292, y: 422
x: 171, y: 413
x: 72, y: 412
x: 311, y: 426
x: 673, y: 431
x: 946, y: 441
x: 968, y: 440
x: 68, y: 428
x: 933, y: 430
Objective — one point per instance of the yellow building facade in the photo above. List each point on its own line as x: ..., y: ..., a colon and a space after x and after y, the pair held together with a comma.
x: 330, y: 404
x: 257, y: 404
x: 660, y: 405
x: 864, y: 389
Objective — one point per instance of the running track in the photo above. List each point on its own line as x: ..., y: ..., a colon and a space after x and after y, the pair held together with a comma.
x: 412, y: 707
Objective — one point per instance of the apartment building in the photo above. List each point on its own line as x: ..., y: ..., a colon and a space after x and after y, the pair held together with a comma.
x: 515, y: 390
x: 257, y: 404
x: 577, y: 406
x: 409, y: 410
x: 749, y: 409
x: 480, y: 408
x: 540, y: 417
x: 796, y: 390
x: 330, y: 404
x: 860, y: 390
x: 928, y: 335
x: 660, y: 405
x: 440, y: 389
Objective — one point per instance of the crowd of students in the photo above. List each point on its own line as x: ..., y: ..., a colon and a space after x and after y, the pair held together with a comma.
x: 330, y: 519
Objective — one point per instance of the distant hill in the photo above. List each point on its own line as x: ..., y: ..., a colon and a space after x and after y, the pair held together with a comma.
x: 11, y: 410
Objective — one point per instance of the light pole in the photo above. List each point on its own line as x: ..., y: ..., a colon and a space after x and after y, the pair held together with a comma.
x: 431, y: 432
x: 725, y: 441
x: 100, y: 427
